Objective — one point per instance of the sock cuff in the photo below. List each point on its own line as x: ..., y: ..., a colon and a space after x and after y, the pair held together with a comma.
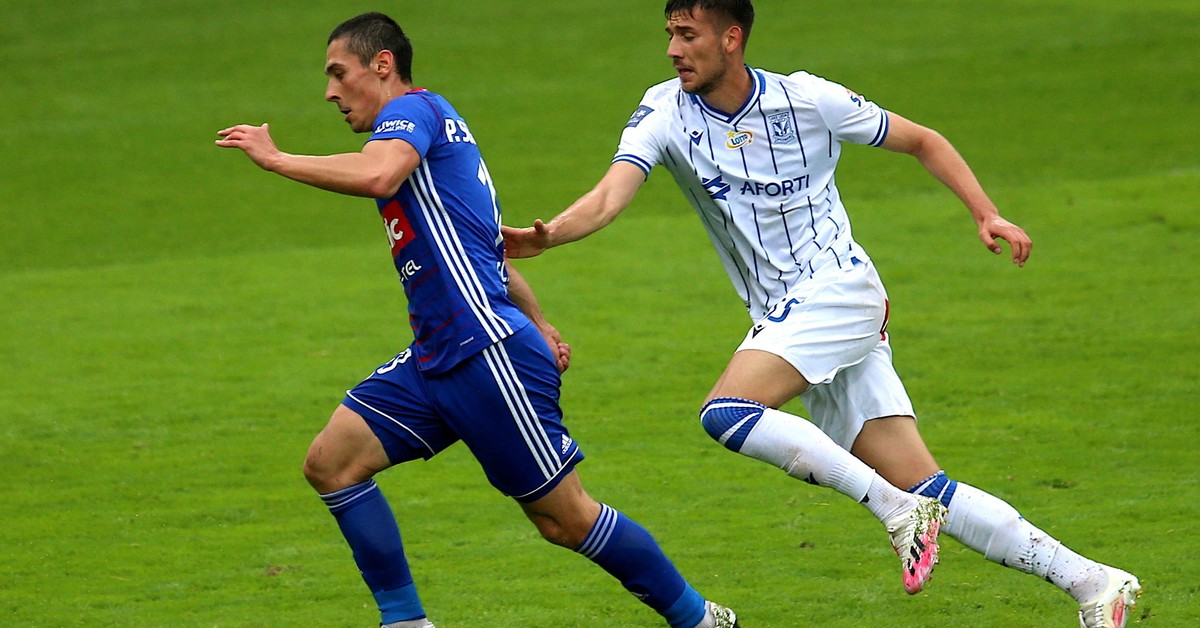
x: 687, y: 611
x: 938, y: 486
x: 728, y: 420
x: 603, y: 530
x: 344, y: 499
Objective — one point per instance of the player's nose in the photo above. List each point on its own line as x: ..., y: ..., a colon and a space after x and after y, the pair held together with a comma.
x: 673, y: 49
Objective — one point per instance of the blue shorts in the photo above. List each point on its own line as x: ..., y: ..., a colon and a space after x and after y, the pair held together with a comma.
x: 501, y: 402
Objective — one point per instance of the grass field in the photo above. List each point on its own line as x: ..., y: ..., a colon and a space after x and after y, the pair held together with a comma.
x: 175, y: 325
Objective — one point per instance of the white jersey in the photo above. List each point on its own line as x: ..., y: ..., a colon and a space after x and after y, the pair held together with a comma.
x: 761, y: 179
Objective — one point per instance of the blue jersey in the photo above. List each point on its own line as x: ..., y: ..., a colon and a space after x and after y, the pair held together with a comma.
x: 443, y: 225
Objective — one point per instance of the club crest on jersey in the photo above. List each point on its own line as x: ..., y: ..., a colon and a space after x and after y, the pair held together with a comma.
x: 636, y: 118
x: 395, y: 223
x: 738, y: 139
x: 782, y: 130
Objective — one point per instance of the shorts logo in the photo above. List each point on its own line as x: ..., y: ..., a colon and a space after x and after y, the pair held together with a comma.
x: 566, y: 443
x: 636, y: 118
x: 738, y: 139
x: 395, y: 223
x: 782, y: 130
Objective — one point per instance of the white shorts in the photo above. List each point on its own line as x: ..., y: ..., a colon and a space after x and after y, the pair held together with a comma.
x: 832, y: 330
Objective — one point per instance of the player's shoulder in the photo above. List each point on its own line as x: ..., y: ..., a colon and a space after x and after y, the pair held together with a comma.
x: 418, y: 102
x: 415, y: 109
x: 800, y: 81
x: 805, y: 86
x: 662, y: 96
x: 657, y: 103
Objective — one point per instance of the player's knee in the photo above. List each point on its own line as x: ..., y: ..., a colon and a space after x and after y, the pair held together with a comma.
x: 557, y: 534
x: 327, y: 473
x: 315, y: 471
x: 564, y: 532
x: 728, y: 420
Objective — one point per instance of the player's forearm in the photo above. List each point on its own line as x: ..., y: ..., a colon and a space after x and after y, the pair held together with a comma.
x: 522, y: 295
x: 583, y: 218
x: 945, y: 163
x: 354, y: 174
x: 599, y: 207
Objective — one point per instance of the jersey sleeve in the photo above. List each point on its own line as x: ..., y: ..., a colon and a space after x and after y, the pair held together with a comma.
x: 848, y: 115
x: 410, y: 119
x: 641, y: 143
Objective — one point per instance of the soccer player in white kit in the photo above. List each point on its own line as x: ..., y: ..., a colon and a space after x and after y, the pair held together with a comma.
x: 755, y: 153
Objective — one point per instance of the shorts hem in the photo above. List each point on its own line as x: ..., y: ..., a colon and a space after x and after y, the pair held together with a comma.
x: 550, y: 484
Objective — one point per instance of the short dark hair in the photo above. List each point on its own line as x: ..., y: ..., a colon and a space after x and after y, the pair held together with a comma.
x: 740, y: 12
x: 369, y: 34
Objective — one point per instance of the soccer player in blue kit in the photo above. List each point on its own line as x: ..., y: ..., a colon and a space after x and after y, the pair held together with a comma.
x: 754, y: 152
x: 477, y: 370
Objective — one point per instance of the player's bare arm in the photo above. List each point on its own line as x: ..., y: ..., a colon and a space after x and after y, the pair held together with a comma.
x: 376, y: 172
x: 590, y: 213
x: 521, y: 294
x: 941, y: 159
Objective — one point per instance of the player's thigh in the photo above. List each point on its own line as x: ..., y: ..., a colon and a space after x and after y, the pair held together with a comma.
x: 395, y: 405
x: 867, y: 410
x: 503, y: 404
x: 759, y: 376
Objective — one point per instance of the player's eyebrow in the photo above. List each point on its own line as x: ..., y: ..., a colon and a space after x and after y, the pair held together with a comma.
x: 332, y: 67
x: 682, y: 28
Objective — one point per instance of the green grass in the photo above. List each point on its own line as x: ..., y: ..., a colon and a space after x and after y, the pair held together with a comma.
x: 175, y: 325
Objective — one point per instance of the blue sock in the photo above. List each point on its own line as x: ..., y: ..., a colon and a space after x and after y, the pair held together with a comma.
x: 937, y: 486
x: 370, y: 528
x: 627, y: 551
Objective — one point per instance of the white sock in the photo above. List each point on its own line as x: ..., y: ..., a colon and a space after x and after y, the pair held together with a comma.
x: 805, y: 452
x: 990, y: 526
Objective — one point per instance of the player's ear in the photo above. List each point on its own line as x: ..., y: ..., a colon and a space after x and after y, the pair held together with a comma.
x: 384, y: 63
x: 734, y: 36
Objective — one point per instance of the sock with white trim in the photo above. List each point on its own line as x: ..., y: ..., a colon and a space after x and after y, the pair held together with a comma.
x: 631, y: 555
x: 370, y: 529
x: 802, y: 450
x: 992, y: 527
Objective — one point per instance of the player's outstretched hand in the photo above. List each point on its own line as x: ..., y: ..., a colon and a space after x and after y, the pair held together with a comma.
x: 526, y: 241
x: 254, y: 140
x: 999, y: 228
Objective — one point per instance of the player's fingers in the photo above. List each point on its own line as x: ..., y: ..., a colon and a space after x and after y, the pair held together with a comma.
x: 990, y: 243
x: 540, y: 227
x: 1021, y: 248
x: 564, y: 356
x: 233, y: 129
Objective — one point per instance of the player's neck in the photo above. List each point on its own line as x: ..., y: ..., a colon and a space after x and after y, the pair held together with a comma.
x: 732, y: 93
